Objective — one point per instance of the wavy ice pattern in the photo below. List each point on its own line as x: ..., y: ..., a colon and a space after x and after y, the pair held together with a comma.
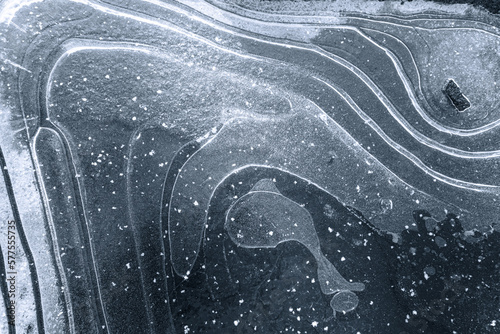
x: 134, y: 115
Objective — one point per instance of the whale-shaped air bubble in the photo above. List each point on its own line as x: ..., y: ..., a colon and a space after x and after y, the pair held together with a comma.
x: 264, y: 218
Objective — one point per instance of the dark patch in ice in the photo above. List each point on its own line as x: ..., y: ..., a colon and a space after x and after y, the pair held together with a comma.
x: 447, y: 277
x: 272, y: 289
x: 455, y: 95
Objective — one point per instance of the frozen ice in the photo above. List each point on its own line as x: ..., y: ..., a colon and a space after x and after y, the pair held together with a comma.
x: 123, y: 122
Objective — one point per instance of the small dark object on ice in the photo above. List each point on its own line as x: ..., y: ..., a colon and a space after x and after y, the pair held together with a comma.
x: 452, y: 91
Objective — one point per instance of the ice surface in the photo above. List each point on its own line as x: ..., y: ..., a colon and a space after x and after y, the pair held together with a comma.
x: 122, y: 123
